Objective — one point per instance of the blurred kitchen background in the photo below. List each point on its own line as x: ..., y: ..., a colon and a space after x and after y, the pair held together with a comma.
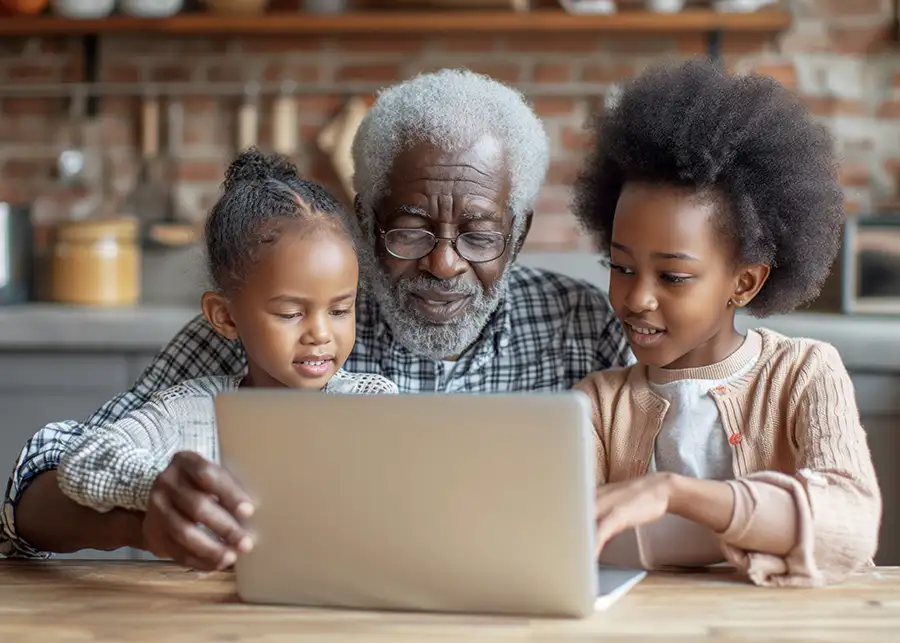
x: 118, y: 117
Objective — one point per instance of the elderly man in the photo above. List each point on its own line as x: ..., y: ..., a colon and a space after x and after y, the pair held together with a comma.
x: 448, y: 167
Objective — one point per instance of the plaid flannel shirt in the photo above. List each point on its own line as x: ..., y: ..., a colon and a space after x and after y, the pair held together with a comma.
x: 548, y: 333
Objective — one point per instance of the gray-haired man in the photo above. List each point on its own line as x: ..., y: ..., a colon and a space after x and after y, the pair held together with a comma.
x: 449, y: 166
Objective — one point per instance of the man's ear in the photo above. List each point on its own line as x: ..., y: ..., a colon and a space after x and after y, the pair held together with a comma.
x: 750, y: 281
x: 529, y: 217
x: 215, y: 309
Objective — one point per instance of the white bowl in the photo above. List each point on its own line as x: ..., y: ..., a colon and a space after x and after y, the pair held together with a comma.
x: 151, y: 8
x: 83, y: 9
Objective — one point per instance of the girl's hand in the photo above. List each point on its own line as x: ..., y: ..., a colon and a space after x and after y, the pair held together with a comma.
x: 629, y: 504
x: 195, y: 513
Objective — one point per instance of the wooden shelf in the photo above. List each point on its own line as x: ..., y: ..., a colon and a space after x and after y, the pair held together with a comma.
x: 432, y: 22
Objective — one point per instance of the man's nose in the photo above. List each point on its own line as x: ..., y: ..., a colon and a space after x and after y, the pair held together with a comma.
x: 444, y: 262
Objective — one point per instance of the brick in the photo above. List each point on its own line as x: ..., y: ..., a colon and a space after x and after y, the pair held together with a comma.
x: 834, y: 106
x: 556, y: 231
x: 746, y: 43
x: 309, y: 134
x: 838, y: 9
x: 56, y: 45
x: 564, y: 172
x: 859, y: 40
x: 173, y: 73
x: 199, y: 105
x: 73, y: 71
x: 887, y: 205
x: 118, y: 131
x: 852, y: 206
x: 24, y: 73
x: 784, y: 73
x: 199, y: 171
x: 28, y: 169
x: 544, y: 44
x: 299, y: 73
x: 281, y: 44
x: 505, y: 73
x: 381, y: 45
x: 14, y: 191
x: 889, y: 109
x: 637, y: 45
x: 550, y: 73
x: 368, y: 73
x: 550, y: 106
x: 855, y: 176
x: 611, y: 73
x: 30, y: 106
x: 121, y: 73
x: 465, y: 44
x: 123, y: 106
x: 576, y: 140
x: 318, y: 107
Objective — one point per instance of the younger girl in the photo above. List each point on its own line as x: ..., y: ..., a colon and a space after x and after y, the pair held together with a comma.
x: 282, y: 256
x: 711, y: 193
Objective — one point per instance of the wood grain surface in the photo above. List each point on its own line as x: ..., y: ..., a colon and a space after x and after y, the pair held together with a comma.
x: 77, y: 601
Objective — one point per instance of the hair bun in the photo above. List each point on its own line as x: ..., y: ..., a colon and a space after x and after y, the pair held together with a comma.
x: 254, y: 165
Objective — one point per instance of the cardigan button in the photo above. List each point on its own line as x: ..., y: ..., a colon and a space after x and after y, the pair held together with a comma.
x: 719, y: 389
x: 735, y: 439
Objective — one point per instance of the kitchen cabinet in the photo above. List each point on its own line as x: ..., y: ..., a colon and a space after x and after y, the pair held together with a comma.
x: 878, y: 396
x: 37, y: 388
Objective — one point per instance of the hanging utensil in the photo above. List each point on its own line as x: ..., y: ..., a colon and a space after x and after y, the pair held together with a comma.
x: 70, y: 164
x: 170, y: 231
x: 285, y: 131
x: 248, y: 118
x: 147, y: 202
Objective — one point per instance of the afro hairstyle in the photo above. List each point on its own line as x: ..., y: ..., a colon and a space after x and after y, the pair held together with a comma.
x: 745, y: 141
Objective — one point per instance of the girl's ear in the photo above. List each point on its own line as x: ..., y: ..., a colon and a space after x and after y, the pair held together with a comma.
x: 750, y: 280
x: 215, y: 309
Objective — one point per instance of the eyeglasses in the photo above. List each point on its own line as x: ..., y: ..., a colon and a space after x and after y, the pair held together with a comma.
x: 414, y: 243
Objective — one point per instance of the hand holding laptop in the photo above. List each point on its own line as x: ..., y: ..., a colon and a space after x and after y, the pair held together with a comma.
x: 193, y: 493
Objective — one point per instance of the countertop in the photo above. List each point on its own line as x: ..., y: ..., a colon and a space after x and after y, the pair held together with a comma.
x: 155, y: 601
x: 865, y: 343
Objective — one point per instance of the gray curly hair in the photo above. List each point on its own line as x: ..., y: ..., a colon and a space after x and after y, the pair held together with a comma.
x: 450, y: 109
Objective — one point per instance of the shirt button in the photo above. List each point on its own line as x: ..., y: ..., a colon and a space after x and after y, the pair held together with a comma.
x: 735, y: 439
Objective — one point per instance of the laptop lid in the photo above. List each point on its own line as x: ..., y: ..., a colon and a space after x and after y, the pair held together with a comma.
x: 449, y: 503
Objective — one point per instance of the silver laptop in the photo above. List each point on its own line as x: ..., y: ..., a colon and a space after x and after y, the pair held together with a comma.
x: 431, y: 502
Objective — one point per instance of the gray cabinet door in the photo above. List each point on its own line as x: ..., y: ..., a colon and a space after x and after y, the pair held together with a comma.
x: 38, y: 388
x: 878, y: 396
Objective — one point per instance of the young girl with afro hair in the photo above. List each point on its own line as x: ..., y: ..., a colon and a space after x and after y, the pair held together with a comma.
x: 709, y: 193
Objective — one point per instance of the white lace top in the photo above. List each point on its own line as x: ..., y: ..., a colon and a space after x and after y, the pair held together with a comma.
x: 115, y: 465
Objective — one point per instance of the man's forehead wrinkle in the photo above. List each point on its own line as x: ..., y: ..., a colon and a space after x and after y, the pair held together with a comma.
x: 433, y: 179
x: 460, y: 166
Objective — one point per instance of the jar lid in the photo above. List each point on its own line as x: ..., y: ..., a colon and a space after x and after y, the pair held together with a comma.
x: 124, y: 229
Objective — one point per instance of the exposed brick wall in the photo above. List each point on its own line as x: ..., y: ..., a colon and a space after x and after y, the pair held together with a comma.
x: 837, y: 55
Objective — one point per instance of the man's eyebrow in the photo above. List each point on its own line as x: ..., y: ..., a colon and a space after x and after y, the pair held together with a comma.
x: 413, y: 210
x: 474, y: 215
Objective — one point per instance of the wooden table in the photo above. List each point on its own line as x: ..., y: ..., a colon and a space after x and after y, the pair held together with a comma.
x: 43, y: 602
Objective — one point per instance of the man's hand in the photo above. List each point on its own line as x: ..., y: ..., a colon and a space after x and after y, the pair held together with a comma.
x: 193, y: 493
x: 629, y: 504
